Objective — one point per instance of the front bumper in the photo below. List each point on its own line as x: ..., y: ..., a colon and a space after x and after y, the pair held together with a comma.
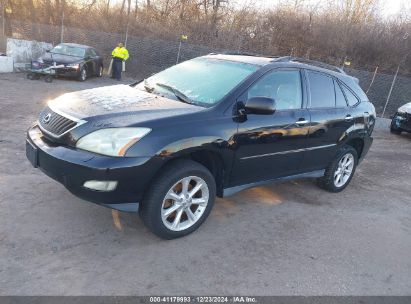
x: 72, y: 168
x: 402, y: 121
x: 66, y: 71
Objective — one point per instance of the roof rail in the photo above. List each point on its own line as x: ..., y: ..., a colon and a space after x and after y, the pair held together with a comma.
x: 312, y: 62
x: 236, y: 53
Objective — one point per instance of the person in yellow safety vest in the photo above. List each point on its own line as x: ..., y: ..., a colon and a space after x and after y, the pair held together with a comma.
x: 119, y: 55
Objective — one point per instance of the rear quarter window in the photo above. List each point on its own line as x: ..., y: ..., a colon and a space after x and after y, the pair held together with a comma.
x: 340, y: 101
x: 351, y: 98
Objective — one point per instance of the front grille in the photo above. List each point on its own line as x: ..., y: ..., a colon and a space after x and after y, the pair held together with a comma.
x: 54, y: 123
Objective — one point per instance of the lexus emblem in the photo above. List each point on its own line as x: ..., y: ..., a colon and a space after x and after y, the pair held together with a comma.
x: 46, y: 119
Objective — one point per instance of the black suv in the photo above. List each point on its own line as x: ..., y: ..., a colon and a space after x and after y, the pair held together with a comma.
x: 213, y: 125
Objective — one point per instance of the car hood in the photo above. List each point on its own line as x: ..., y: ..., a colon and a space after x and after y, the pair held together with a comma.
x: 60, y: 59
x: 405, y: 108
x: 119, y: 101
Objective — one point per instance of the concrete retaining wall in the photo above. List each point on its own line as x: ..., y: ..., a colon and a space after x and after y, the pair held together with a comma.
x: 6, y: 64
x: 23, y: 51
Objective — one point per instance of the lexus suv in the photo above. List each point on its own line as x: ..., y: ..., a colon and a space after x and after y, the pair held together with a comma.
x: 211, y: 126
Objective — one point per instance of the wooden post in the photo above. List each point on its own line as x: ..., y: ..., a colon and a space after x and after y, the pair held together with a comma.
x: 372, y: 80
x: 178, y: 53
x: 389, y: 94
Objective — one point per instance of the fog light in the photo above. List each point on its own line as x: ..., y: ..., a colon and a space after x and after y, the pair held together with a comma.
x: 100, y: 185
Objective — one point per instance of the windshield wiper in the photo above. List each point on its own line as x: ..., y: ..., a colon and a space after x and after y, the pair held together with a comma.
x: 180, y: 95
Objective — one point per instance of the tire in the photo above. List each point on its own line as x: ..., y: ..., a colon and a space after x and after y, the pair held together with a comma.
x: 330, y: 181
x: 395, y: 131
x: 83, y: 74
x: 182, y: 217
x: 100, y: 71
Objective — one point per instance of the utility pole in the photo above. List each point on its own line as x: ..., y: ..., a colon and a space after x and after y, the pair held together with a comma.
x: 182, y: 37
x: 3, y: 18
x: 62, y: 23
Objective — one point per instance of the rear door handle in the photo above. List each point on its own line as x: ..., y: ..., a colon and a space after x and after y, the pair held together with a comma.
x: 348, y: 118
x: 302, y: 122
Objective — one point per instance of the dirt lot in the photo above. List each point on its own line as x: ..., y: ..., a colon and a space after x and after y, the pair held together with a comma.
x: 292, y: 238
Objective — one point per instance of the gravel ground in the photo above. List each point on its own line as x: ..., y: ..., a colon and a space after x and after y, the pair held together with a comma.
x: 287, y: 239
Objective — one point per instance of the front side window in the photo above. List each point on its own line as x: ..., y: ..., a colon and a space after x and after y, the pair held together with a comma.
x: 321, y: 90
x: 284, y: 86
x: 91, y: 53
x: 200, y: 81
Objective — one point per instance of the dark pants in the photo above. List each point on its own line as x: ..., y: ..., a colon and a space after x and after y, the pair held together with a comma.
x: 117, y: 68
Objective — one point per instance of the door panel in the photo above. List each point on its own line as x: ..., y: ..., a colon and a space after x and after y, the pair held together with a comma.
x: 90, y: 62
x: 328, y: 127
x: 271, y: 146
x: 331, y: 119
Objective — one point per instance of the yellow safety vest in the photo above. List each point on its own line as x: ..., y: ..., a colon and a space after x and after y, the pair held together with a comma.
x: 121, y: 53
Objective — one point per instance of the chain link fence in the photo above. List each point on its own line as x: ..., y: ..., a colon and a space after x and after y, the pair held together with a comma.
x: 149, y: 55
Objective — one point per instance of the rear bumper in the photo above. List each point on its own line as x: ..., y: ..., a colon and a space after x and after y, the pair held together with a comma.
x: 367, y: 145
x: 73, y: 168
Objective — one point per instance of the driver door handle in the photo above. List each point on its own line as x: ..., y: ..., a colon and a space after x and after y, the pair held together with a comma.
x: 348, y: 118
x: 302, y: 122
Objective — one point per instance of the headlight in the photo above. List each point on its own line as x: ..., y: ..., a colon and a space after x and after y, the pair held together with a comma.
x: 73, y: 65
x: 113, y: 141
x: 405, y: 108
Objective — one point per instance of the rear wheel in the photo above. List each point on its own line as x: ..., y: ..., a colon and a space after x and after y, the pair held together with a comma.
x: 339, y: 173
x: 179, y: 200
x: 100, y: 71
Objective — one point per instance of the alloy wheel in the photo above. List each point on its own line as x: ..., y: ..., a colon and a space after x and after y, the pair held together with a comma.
x: 83, y: 74
x: 184, y: 203
x: 344, y: 170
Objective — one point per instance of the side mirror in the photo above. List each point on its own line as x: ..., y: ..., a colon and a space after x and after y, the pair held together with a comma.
x: 260, y: 105
x: 48, y: 51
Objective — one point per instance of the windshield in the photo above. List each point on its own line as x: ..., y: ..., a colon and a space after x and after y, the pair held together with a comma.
x: 200, y: 81
x: 64, y: 49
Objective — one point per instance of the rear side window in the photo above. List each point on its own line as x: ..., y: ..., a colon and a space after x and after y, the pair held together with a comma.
x: 340, y: 101
x: 351, y: 98
x: 321, y: 89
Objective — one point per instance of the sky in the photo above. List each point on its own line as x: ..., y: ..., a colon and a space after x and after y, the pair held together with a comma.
x: 388, y: 8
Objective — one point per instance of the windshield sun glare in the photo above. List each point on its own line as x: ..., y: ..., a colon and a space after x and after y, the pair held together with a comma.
x: 203, y: 81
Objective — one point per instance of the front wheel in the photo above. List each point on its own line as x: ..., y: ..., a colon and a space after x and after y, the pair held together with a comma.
x: 339, y: 173
x: 394, y: 129
x: 179, y: 200
x: 83, y: 74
